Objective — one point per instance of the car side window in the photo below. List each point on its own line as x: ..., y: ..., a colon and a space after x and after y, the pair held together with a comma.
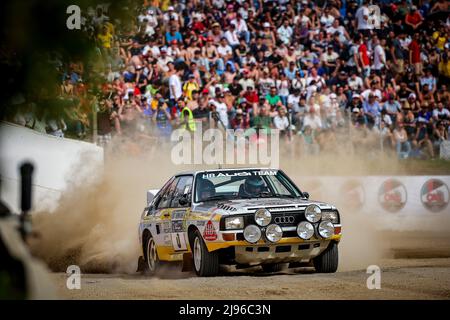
x: 166, y: 197
x: 155, y: 203
x: 184, y: 187
x: 279, y: 187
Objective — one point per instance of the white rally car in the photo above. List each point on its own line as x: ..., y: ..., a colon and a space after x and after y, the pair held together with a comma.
x: 241, y: 217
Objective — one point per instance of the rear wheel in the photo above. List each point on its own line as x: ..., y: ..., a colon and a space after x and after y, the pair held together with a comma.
x: 151, y: 257
x: 206, y: 264
x: 273, y: 267
x: 327, y: 262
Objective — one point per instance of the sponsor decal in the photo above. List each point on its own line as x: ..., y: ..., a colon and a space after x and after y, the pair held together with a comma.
x: 179, y: 241
x: 353, y: 195
x: 239, y: 174
x: 392, y: 195
x: 167, y: 240
x: 434, y: 195
x: 200, y: 223
x: 166, y: 227
x: 177, y: 226
x: 210, y: 233
x: 178, y: 214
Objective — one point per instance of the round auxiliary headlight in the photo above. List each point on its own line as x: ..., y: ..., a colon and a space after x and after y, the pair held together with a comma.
x: 313, y: 213
x: 274, y: 233
x: 252, y: 233
x: 262, y: 217
x: 326, y: 229
x: 305, y: 230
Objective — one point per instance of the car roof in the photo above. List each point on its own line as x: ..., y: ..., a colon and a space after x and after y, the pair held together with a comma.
x: 194, y: 172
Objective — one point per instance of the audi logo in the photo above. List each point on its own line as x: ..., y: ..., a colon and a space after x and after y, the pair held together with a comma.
x: 285, y: 219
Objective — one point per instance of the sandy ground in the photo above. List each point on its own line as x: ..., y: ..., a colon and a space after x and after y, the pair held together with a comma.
x: 417, y: 268
x: 400, y: 279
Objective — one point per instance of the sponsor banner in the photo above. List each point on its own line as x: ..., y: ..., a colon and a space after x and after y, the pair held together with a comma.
x: 389, y: 195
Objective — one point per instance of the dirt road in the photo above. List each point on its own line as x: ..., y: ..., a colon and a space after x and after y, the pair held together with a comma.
x: 400, y: 279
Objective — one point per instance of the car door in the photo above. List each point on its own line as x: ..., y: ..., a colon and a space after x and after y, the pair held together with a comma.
x: 162, y: 228
x: 179, y: 210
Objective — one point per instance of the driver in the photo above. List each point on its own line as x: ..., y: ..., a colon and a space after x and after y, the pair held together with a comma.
x: 206, y: 189
x: 252, y: 187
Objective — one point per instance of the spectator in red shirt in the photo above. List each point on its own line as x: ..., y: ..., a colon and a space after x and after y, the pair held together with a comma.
x: 251, y: 96
x: 364, y: 59
x: 198, y: 26
x: 413, y: 19
x: 414, y: 54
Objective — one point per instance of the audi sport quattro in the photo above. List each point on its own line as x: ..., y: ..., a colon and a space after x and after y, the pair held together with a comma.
x: 240, y: 217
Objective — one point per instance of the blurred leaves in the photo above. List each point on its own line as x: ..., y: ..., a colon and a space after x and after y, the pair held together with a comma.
x: 35, y: 31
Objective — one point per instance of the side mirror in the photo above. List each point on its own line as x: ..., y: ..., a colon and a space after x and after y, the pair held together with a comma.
x: 184, y: 200
x: 306, y: 195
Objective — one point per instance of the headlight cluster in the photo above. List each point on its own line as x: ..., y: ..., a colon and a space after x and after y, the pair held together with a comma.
x: 274, y: 233
x: 263, y: 217
x: 313, y: 214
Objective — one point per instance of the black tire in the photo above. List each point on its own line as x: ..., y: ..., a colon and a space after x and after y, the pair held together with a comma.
x: 273, y: 267
x: 328, y: 260
x: 152, y: 263
x: 206, y: 264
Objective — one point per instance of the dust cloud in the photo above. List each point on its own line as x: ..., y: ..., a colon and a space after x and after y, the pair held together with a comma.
x: 95, y: 224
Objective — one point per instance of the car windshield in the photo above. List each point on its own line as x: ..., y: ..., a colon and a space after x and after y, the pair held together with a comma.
x: 243, y: 184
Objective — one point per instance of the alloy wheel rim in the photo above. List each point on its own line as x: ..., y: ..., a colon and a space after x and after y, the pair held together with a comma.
x: 151, y: 254
x: 197, y: 254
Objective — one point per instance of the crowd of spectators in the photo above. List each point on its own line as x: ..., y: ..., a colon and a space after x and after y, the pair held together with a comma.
x: 312, y: 69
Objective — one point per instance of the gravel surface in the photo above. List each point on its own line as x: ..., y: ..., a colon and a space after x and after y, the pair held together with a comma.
x: 400, y: 279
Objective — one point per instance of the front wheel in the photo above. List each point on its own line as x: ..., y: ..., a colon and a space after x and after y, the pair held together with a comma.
x: 151, y: 257
x: 327, y: 262
x: 206, y: 264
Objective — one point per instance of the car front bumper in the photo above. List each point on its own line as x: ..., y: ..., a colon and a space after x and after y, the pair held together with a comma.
x: 288, y: 249
x: 279, y: 253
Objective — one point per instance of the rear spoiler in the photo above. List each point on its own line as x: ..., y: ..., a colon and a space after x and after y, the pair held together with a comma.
x: 151, y: 195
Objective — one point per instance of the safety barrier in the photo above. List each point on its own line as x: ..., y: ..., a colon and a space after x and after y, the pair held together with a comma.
x: 58, y: 163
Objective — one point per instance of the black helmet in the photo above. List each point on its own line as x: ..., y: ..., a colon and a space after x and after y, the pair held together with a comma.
x: 253, y: 185
x: 206, y: 189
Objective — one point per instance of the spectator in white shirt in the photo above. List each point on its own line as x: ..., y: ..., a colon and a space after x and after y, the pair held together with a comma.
x: 225, y: 53
x: 362, y: 17
x: 222, y: 110
x: 151, y: 22
x: 355, y: 83
x: 281, y: 122
x: 312, y: 120
x: 285, y: 32
x: 379, y: 55
x: 241, y: 27
x: 232, y: 36
x: 163, y: 60
x: 175, y: 85
x: 171, y: 15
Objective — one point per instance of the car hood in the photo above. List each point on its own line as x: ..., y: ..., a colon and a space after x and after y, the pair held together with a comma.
x: 240, y: 206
